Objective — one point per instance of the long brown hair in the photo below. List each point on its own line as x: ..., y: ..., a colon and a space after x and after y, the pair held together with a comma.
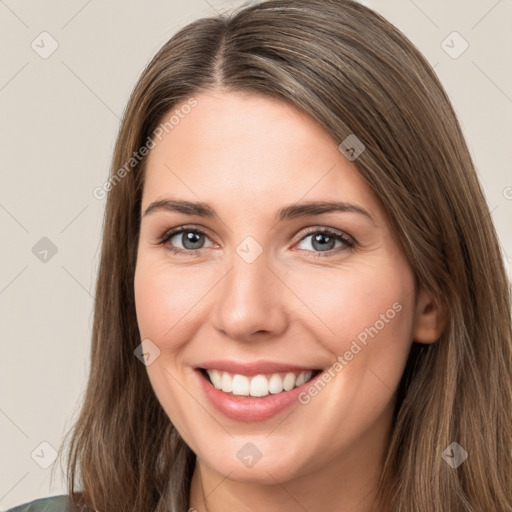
x: 354, y: 73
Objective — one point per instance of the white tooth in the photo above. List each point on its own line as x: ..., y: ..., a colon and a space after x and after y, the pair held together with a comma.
x: 259, y: 386
x: 215, y: 378
x: 240, y: 385
x: 275, y: 384
x: 227, y: 382
x: 289, y: 381
x: 300, y: 379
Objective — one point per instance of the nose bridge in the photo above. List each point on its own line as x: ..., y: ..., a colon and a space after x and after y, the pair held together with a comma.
x: 250, y: 297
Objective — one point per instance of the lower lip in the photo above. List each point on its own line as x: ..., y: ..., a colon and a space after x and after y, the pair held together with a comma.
x: 243, y: 408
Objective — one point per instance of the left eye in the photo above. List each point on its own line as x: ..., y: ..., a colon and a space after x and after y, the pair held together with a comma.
x: 325, y: 240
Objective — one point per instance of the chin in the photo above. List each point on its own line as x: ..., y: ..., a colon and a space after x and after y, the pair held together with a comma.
x: 265, y: 461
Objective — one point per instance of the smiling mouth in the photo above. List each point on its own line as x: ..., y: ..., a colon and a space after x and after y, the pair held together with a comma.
x: 257, y: 385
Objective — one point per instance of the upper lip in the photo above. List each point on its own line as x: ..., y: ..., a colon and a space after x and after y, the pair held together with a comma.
x: 253, y: 367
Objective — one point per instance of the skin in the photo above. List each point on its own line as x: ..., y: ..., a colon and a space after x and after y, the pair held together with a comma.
x: 247, y: 156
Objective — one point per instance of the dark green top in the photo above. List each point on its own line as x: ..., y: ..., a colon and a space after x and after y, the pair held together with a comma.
x: 52, y: 504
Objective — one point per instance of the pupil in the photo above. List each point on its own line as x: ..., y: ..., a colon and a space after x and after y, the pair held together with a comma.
x: 193, y: 239
x: 317, y: 239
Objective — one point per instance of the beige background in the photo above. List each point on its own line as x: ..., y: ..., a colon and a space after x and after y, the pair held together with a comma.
x: 59, y: 118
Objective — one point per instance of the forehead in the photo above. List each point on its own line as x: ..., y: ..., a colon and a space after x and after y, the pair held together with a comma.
x: 251, y: 151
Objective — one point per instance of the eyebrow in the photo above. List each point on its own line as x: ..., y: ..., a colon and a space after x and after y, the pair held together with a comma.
x: 292, y: 211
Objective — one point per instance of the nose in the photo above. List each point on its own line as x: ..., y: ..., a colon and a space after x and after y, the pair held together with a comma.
x: 251, y: 300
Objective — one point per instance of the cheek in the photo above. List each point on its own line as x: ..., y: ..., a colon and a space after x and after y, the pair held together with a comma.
x: 343, y: 303
x: 165, y: 298
x: 164, y: 301
x: 365, y: 317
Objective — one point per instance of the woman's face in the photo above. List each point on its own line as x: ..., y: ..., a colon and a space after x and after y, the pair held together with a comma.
x: 256, y: 288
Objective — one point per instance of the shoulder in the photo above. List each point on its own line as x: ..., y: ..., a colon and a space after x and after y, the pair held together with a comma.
x: 51, y: 504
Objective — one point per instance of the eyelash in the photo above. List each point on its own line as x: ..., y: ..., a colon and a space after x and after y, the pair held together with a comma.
x: 348, y: 241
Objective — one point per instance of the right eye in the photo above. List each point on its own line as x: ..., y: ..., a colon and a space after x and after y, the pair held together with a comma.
x: 191, y: 238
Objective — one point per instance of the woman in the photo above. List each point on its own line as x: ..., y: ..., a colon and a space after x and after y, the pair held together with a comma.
x: 301, y: 301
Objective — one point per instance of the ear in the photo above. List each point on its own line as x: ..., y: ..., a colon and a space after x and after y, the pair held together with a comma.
x: 430, y: 318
